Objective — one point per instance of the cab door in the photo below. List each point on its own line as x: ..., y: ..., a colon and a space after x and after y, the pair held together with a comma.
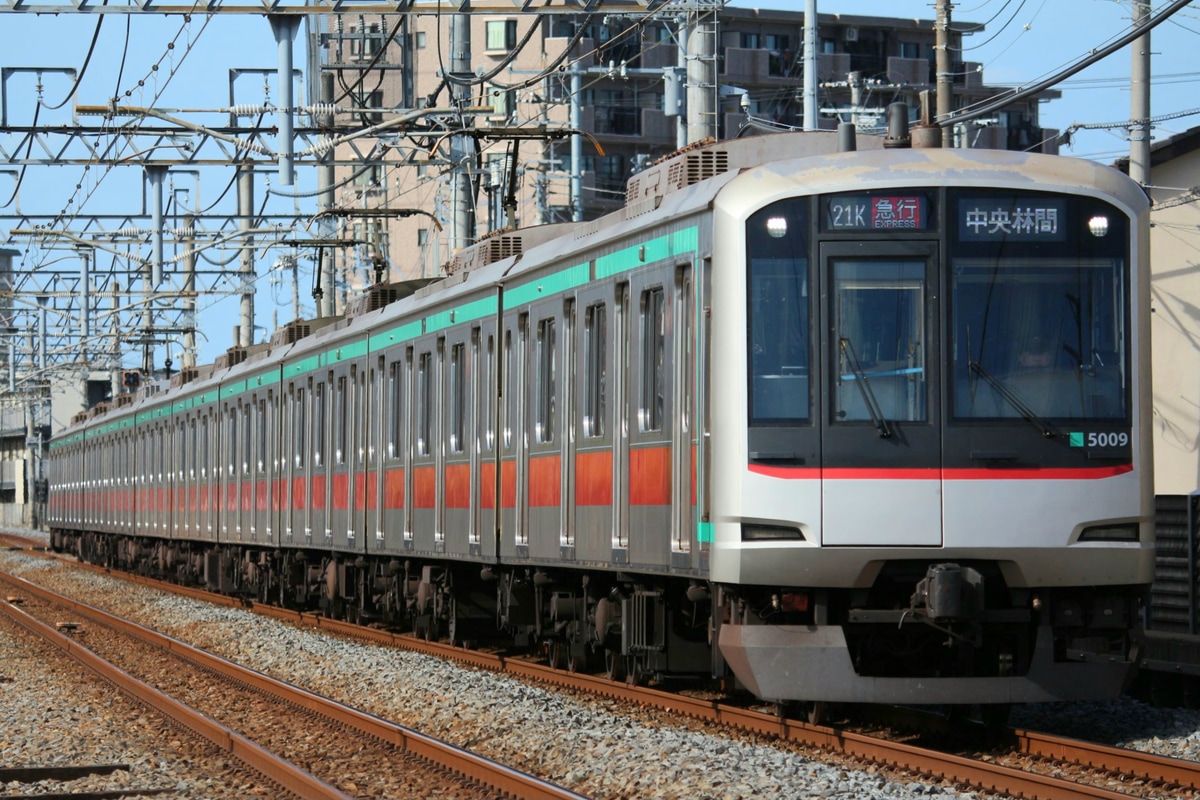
x: 881, y: 483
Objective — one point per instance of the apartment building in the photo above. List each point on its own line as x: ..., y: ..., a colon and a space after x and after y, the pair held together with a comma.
x: 626, y: 75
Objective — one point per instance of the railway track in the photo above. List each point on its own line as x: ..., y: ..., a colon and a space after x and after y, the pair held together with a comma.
x: 1029, y: 764
x: 325, y: 749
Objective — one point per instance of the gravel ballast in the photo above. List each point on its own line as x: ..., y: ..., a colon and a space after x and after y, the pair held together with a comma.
x: 593, y: 746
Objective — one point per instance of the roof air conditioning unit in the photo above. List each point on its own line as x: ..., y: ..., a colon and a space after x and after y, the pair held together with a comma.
x: 850, y: 34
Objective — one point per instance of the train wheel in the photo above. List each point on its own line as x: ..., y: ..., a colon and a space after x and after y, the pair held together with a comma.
x: 816, y: 712
x: 554, y: 654
x: 576, y: 661
x: 612, y: 664
x: 633, y: 672
x: 431, y: 629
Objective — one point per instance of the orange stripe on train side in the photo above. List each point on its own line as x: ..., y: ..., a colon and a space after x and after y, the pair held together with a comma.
x: 487, y: 484
x: 318, y: 493
x: 372, y: 491
x: 545, y: 481
x: 508, y: 483
x: 341, y: 492
x: 393, y: 489
x: 650, y: 476
x: 424, y: 487
x: 594, y: 478
x: 458, y: 486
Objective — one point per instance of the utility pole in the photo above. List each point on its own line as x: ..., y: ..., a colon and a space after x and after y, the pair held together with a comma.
x: 462, y: 229
x: 576, y: 144
x: 245, y: 187
x: 945, y: 81
x: 701, y: 78
x: 1139, y: 90
x: 810, y: 65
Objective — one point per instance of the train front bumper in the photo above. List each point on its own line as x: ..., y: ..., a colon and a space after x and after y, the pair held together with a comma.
x: 797, y: 662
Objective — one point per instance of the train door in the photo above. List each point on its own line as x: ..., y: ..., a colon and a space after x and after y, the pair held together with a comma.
x: 341, y: 457
x: 651, y: 350
x: 426, y: 450
x: 514, y: 523
x: 456, y: 520
x: 320, y: 486
x: 376, y: 453
x: 485, y: 490
x: 622, y: 391
x: 359, y: 458
x: 683, y: 446
x: 566, y: 431
x: 541, y: 502
x: 880, y: 430
x: 592, y: 442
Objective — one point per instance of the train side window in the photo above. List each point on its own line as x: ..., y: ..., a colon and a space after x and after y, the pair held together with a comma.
x: 358, y: 426
x: 457, y: 408
x: 595, y: 343
x: 547, y: 377
x: 204, y: 449
x: 247, y: 436
x: 486, y: 386
x: 261, y: 443
x: 395, y: 408
x: 424, y: 401
x: 341, y: 407
x: 299, y: 428
x: 318, y: 422
x: 509, y: 389
x: 653, y: 354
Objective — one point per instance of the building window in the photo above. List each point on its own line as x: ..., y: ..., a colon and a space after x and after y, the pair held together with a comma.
x: 365, y: 43
x: 422, y: 237
x: 419, y: 38
x: 502, y: 34
x: 910, y: 50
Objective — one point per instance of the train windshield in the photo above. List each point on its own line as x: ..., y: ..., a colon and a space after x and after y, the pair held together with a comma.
x: 777, y: 293
x: 1039, y: 303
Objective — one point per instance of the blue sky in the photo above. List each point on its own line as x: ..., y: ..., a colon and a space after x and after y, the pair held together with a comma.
x: 1025, y: 40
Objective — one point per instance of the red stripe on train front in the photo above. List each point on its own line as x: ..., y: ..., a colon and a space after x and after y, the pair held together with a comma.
x: 933, y: 473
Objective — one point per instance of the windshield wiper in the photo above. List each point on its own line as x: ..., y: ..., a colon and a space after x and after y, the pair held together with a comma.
x: 864, y: 386
x: 1014, y: 400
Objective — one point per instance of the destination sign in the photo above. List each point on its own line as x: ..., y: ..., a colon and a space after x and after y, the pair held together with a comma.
x: 853, y: 212
x: 1012, y: 219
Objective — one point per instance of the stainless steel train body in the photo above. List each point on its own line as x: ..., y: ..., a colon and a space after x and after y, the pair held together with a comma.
x: 866, y: 426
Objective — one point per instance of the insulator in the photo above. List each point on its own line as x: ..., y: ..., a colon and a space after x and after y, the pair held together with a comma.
x: 247, y: 110
x: 323, y: 109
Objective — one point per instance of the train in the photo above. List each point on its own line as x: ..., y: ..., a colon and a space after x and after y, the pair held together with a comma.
x: 833, y: 421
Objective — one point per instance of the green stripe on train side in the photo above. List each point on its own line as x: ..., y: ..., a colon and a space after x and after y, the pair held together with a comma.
x: 547, y: 286
x: 398, y: 335
x: 467, y: 312
x: 659, y: 248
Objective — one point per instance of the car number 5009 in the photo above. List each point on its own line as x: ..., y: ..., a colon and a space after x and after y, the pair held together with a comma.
x: 1108, y: 439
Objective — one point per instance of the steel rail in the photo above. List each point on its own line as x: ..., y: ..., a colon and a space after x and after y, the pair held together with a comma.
x: 273, y: 769
x: 498, y: 777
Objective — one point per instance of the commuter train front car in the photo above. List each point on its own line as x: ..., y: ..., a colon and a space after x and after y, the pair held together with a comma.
x: 860, y: 426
